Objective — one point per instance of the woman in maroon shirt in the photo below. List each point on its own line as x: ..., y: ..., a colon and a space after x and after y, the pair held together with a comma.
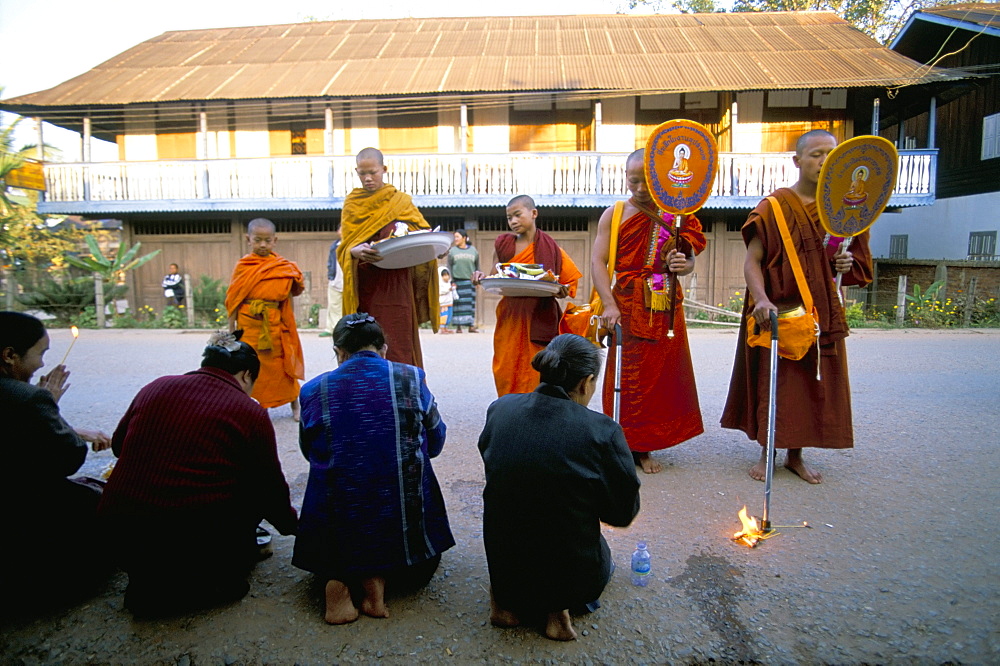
x: 197, y: 471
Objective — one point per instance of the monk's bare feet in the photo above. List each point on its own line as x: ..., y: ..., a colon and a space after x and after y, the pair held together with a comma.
x: 649, y: 466
x: 759, y: 470
x: 339, y: 607
x: 559, y: 627
x: 296, y: 410
x: 794, y: 463
x: 373, y: 605
x: 500, y: 617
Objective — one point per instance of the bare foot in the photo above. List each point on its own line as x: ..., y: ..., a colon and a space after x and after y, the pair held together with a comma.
x: 794, y: 463
x: 500, y: 617
x: 559, y: 627
x: 649, y: 466
x: 296, y: 410
x: 339, y: 607
x: 759, y: 470
x: 373, y: 605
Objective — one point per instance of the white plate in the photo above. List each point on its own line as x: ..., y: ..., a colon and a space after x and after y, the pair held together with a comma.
x: 518, y: 287
x: 413, y: 249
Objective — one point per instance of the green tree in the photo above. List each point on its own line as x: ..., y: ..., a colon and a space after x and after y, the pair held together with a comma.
x: 880, y: 19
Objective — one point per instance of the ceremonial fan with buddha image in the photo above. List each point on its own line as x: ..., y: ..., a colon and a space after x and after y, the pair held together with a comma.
x: 680, y: 163
x: 855, y: 184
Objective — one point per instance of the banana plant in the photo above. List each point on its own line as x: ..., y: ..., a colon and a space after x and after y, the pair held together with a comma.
x: 126, y: 260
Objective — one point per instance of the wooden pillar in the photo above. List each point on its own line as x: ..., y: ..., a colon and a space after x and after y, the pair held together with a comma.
x: 85, y: 151
x: 40, y: 141
x: 932, y: 124
x: 463, y: 147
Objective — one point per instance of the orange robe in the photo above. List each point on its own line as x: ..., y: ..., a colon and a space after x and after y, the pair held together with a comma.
x: 659, y: 401
x: 260, y: 296
x: 400, y: 299
x: 512, y: 345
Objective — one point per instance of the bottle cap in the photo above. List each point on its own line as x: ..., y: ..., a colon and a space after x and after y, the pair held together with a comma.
x: 641, y: 545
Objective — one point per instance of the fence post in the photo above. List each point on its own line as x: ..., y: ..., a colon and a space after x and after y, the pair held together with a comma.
x: 970, y: 303
x: 99, y: 299
x: 189, y: 300
x: 305, y: 300
x: 901, y: 300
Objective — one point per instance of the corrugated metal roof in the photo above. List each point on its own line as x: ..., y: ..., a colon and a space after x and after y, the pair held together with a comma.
x: 397, y: 57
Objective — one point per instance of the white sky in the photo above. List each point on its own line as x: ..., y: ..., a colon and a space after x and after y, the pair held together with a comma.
x: 46, y: 42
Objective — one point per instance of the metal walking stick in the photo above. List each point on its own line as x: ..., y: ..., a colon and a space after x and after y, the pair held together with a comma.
x: 618, y: 372
x: 772, y: 392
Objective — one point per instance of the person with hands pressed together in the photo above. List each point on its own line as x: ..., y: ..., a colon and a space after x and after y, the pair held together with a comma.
x: 401, y: 298
x: 659, y: 400
x: 525, y: 324
x: 55, y: 518
x: 259, y: 302
x: 810, y: 411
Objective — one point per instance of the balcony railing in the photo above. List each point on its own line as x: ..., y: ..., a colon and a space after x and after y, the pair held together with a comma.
x: 322, y: 182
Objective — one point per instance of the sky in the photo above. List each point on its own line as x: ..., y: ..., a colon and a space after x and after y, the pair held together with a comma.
x: 46, y: 42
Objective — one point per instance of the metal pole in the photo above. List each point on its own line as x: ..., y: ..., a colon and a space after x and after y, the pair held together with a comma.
x: 618, y: 372
x: 875, y: 119
x: 772, y: 391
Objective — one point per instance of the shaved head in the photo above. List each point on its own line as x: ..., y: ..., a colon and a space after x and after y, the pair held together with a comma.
x: 800, y: 145
x: 371, y: 154
x: 635, y: 157
x: 261, y: 223
x: 522, y: 200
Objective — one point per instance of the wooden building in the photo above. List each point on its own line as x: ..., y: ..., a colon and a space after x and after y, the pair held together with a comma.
x: 215, y: 127
x: 963, y: 124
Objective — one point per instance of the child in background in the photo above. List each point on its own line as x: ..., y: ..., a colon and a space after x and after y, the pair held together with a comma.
x: 446, y: 297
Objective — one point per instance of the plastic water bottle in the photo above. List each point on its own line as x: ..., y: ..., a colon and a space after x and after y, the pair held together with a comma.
x: 640, y: 565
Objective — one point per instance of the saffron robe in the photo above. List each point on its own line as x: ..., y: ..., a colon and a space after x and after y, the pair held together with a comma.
x: 400, y: 299
x: 260, y: 296
x: 659, y: 400
x: 809, y: 412
x: 373, y: 504
x: 513, y: 348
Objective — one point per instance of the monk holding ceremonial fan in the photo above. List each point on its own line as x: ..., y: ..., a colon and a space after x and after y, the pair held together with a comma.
x: 656, y: 239
x: 814, y: 406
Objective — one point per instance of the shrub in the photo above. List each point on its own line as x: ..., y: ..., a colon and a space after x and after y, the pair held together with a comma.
x: 68, y: 299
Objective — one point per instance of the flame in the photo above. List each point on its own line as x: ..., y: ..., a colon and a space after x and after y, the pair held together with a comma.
x: 75, y: 331
x: 751, y: 533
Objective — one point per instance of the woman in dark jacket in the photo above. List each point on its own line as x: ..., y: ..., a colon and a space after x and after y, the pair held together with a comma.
x: 555, y: 471
x: 52, y: 516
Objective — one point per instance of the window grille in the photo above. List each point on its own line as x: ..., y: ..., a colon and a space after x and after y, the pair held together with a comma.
x: 898, y: 246
x: 982, y: 244
x: 172, y: 227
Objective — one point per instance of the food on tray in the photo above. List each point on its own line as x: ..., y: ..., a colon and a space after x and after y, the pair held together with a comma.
x: 524, y: 272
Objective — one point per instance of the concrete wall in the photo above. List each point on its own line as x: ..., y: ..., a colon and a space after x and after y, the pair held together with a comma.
x: 940, y: 231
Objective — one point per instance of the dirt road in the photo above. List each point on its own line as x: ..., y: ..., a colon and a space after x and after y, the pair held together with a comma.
x: 900, y: 565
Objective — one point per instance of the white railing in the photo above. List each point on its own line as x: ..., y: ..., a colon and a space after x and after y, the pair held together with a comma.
x: 469, y: 176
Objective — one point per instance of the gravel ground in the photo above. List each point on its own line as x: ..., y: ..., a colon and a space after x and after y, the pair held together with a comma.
x: 896, y: 569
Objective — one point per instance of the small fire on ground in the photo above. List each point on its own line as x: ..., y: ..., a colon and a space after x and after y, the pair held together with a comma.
x: 751, y: 534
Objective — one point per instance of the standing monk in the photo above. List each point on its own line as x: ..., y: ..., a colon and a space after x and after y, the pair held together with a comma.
x: 259, y: 301
x: 810, y: 412
x: 525, y: 324
x: 400, y: 299
x: 659, y: 401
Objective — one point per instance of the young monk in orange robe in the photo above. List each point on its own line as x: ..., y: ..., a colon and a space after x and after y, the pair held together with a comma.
x: 525, y: 325
x: 659, y: 401
x: 259, y: 300
x: 400, y: 299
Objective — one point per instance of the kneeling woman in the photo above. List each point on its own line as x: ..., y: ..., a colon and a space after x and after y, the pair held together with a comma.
x: 197, y: 471
x: 373, y: 515
x: 555, y: 471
